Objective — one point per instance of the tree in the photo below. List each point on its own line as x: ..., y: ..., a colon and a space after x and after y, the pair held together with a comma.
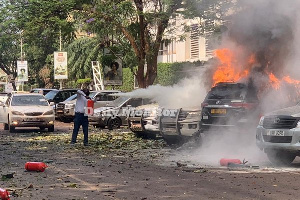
x: 39, y: 22
x: 142, y: 23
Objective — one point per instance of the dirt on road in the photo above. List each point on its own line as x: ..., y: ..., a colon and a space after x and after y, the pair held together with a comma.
x: 119, y: 165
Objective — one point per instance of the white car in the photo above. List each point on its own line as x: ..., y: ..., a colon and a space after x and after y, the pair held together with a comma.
x: 27, y: 110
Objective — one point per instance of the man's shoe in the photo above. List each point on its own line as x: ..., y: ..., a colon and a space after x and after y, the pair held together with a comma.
x: 86, y: 145
x: 72, y: 143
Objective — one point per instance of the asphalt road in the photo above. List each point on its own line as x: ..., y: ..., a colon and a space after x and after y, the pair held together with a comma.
x: 76, y: 172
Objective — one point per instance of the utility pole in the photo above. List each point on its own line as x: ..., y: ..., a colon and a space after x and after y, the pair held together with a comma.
x: 60, y: 80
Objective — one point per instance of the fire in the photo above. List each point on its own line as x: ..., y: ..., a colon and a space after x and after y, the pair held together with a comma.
x: 227, y: 71
x: 274, y: 81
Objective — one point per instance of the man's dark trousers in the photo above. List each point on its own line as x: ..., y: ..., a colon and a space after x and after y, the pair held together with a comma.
x: 80, y: 120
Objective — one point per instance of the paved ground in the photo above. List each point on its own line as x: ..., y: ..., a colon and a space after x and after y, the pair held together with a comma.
x: 139, y: 171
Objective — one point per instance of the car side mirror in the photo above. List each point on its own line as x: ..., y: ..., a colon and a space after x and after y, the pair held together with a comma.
x: 52, y: 103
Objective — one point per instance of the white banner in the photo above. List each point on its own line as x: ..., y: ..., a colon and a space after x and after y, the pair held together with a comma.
x: 3, y: 77
x: 60, y: 65
x: 22, y: 71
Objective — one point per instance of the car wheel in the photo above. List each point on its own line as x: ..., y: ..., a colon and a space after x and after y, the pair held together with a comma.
x: 280, y: 158
x: 51, y: 129
x: 113, y: 123
x: 42, y: 128
x: 173, y: 140
x: 6, y: 127
x: 12, y: 129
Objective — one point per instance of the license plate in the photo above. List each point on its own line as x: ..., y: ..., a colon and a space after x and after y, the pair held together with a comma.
x: 32, y: 120
x: 136, y: 126
x: 59, y: 111
x: 218, y: 111
x: 276, y: 133
x: 169, y: 129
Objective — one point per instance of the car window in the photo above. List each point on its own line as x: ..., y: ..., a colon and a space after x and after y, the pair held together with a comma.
x: 230, y: 91
x: 29, y: 100
x: 50, y: 95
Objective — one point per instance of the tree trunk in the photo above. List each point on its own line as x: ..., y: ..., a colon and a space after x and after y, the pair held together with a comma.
x: 151, y: 71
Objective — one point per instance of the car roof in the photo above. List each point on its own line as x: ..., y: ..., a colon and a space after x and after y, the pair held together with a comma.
x: 31, y: 94
x: 43, y: 89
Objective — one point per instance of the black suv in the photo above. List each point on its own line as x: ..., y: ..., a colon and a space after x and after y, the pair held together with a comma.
x: 228, y: 105
x: 56, y: 96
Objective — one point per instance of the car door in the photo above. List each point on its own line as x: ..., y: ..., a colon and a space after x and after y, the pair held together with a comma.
x: 4, y: 108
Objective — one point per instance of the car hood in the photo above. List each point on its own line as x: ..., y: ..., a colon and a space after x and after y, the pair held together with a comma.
x: 25, y: 109
x: 101, y: 109
x: 292, y: 111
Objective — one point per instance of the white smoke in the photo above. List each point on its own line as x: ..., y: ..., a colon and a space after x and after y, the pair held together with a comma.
x: 188, y: 93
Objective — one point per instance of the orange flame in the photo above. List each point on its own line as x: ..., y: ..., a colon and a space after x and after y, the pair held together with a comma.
x: 274, y: 81
x: 226, y: 71
x: 230, y: 71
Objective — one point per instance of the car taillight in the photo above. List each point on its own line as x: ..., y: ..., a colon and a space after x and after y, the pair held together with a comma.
x: 243, y: 105
x: 204, y: 104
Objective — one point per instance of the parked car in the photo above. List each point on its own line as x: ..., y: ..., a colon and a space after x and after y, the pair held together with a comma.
x: 66, y: 110
x: 181, y: 127
x: 278, y: 135
x: 4, y: 96
x: 229, y: 105
x: 27, y: 110
x: 56, y: 96
x: 116, y: 115
x: 42, y: 91
x: 145, y: 122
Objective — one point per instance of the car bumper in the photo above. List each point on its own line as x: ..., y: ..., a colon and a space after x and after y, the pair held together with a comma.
x: 41, y: 121
x: 266, y: 140
x: 98, y: 121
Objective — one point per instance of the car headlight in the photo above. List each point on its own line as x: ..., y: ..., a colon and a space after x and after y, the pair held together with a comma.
x: 49, y: 112
x: 16, y: 113
x: 298, y: 124
x: 69, y: 106
x: 261, y: 121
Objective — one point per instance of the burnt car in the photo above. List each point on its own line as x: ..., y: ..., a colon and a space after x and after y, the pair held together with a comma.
x: 145, y: 121
x: 181, y: 127
x: 229, y: 105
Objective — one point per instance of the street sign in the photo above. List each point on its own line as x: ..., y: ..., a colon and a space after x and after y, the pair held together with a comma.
x: 22, y: 69
x: 60, y: 65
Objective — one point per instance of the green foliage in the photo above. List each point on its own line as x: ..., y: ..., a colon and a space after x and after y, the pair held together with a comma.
x: 84, y: 81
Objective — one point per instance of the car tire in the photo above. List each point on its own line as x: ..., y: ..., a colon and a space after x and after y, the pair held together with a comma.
x: 113, y: 123
x: 51, y: 129
x: 6, y: 127
x: 173, y: 140
x: 145, y: 135
x: 42, y: 128
x: 12, y: 129
x: 281, y: 158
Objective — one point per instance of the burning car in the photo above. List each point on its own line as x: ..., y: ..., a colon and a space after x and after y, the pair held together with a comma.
x: 144, y: 121
x: 278, y: 135
x: 228, y: 105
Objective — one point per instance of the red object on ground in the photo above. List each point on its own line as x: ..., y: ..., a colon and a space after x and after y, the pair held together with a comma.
x: 90, y: 107
x: 35, y: 166
x: 225, y: 161
x: 4, y: 195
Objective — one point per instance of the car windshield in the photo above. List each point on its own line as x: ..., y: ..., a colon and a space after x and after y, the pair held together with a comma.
x: 92, y: 94
x: 120, y: 101
x: 74, y: 96
x: 51, y: 94
x: 29, y: 100
x: 230, y: 91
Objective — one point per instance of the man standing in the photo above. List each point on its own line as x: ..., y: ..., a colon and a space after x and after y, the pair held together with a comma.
x: 81, y: 118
